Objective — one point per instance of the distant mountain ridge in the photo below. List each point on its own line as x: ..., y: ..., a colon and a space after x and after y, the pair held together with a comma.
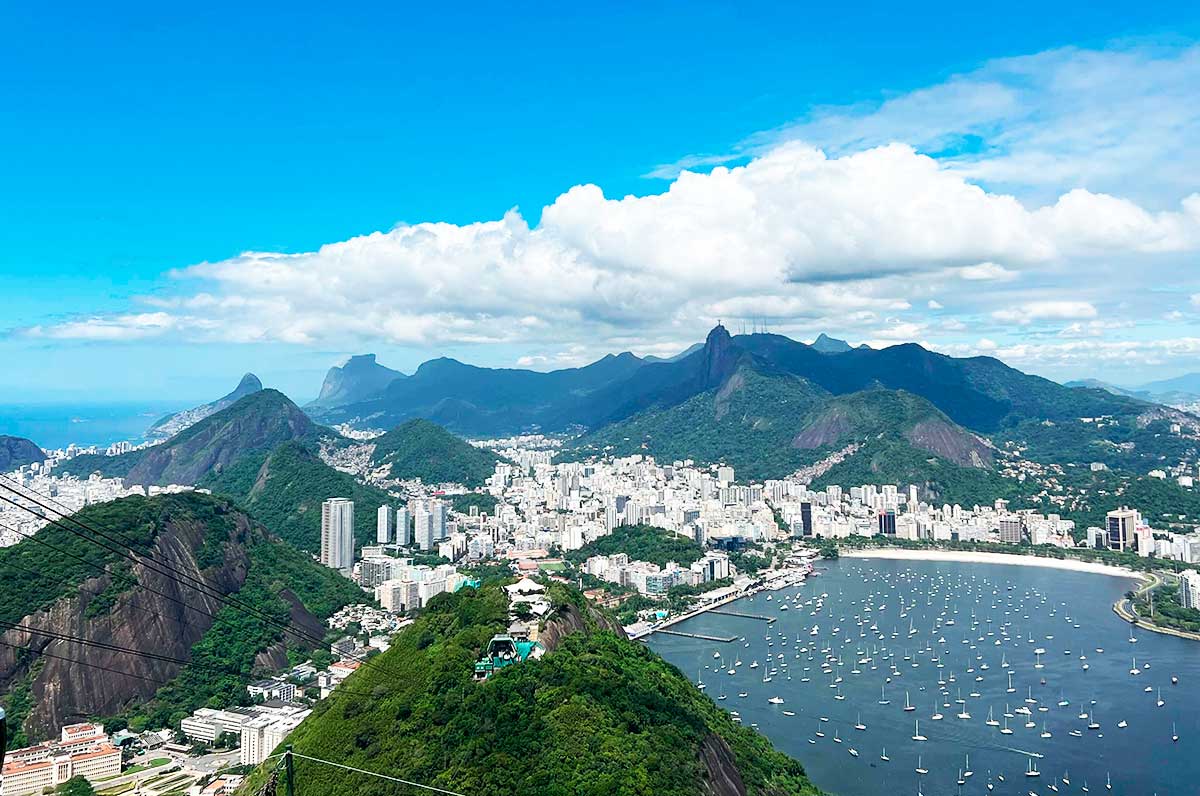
x: 980, y: 393
x: 171, y: 425
x: 359, y: 379
x: 17, y: 452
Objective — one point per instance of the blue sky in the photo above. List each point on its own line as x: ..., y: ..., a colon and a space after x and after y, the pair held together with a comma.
x: 142, y: 139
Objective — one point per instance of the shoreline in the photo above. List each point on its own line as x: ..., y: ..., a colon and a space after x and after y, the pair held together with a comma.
x: 981, y: 557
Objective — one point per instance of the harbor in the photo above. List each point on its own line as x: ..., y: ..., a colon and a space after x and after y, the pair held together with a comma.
x: 955, y: 678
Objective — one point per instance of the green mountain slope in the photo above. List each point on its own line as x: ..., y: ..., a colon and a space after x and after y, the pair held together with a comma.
x: 598, y: 715
x: 17, y: 452
x: 769, y: 424
x: 748, y: 422
x: 284, y: 490
x: 134, y: 606
x: 423, y: 449
x: 255, y: 423
x: 174, y: 423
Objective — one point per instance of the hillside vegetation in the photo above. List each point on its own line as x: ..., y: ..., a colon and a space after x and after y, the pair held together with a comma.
x: 598, y: 715
x: 17, y: 452
x: 284, y: 490
x: 423, y: 449
x: 116, y: 603
x: 642, y: 543
x: 255, y: 423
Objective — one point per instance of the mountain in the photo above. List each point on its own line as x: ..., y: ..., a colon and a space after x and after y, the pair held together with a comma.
x: 1096, y: 384
x: 484, y: 401
x: 767, y: 424
x: 255, y: 423
x: 597, y: 714
x: 693, y: 348
x: 422, y: 449
x: 980, y: 393
x: 359, y: 379
x: 1187, y: 383
x: 89, y: 592
x: 171, y: 425
x: 17, y: 452
x: 829, y: 345
x: 284, y: 489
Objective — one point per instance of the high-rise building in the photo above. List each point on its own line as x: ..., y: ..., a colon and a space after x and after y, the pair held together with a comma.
x: 437, y: 512
x: 806, y: 518
x: 337, y: 533
x: 403, y: 526
x: 385, y: 528
x: 423, y: 532
x: 1011, y: 528
x: 1121, y: 529
x: 725, y: 475
x: 887, y: 522
x: 1189, y: 589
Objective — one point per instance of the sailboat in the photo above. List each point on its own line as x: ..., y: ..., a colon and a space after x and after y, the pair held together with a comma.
x: 1032, y: 771
x: 883, y: 700
x: 1174, y: 733
x: 908, y: 706
x: 937, y: 714
x: 700, y: 683
x: 917, y: 736
x: 921, y: 767
x: 883, y: 755
x: 858, y: 725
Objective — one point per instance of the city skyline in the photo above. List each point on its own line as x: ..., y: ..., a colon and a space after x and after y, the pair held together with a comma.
x: 1027, y: 196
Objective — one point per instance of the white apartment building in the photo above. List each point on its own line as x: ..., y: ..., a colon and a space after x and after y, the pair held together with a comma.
x: 385, y: 528
x: 262, y: 734
x: 337, y: 533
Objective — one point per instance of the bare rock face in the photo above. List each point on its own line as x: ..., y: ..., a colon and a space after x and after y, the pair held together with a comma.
x: 569, y: 619
x: 168, y: 623
x: 827, y: 430
x: 951, y: 442
x: 721, y: 774
x: 161, y: 614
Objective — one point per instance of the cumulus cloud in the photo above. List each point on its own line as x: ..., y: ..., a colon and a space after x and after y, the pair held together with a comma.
x: 1045, y: 310
x: 794, y: 235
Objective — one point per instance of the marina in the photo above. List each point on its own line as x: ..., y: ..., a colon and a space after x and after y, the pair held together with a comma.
x: 956, y: 678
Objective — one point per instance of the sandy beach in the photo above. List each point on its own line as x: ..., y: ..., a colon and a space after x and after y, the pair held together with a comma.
x: 991, y: 558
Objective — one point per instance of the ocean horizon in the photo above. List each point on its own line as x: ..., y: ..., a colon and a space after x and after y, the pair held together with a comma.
x: 57, y: 425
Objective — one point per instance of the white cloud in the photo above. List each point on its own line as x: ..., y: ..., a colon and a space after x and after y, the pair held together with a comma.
x: 986, y: 272
x: 793, y: 236
x: 1122, y: 120
x: 1032, y: 311
x: 133, y: 326
x: 934, y: 304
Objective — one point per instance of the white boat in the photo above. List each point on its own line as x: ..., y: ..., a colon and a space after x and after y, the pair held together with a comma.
x: 917, y: 736
x: 775, y: 700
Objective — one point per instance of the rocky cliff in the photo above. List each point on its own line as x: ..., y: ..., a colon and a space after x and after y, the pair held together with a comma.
x: 86, y: 631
